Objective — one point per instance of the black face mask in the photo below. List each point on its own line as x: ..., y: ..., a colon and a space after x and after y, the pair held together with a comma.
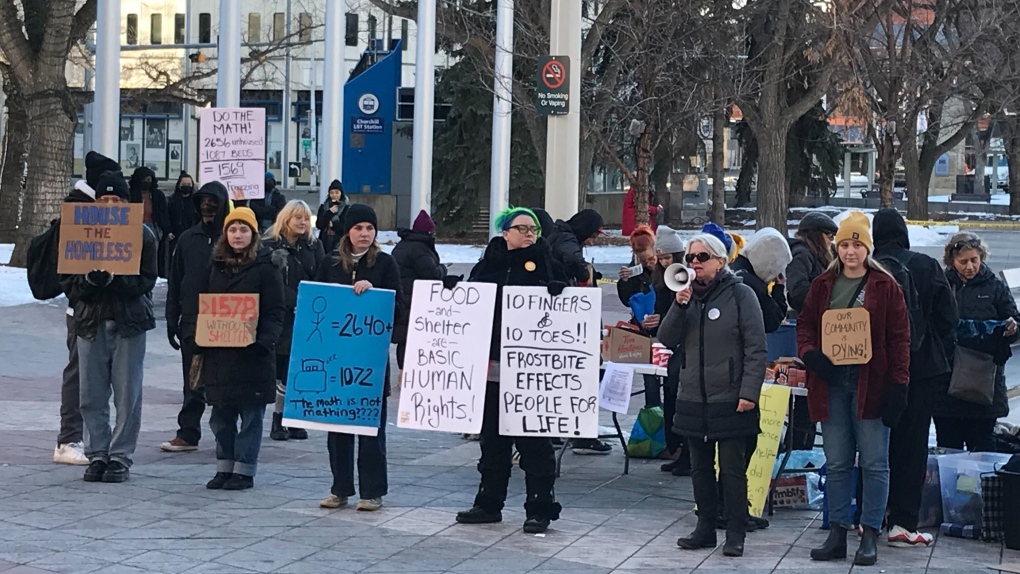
x: 270, y: 185
x: 187, y: 189
x: 209, y: 209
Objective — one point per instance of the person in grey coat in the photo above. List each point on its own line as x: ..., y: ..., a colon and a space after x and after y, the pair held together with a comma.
x: 718, y: 324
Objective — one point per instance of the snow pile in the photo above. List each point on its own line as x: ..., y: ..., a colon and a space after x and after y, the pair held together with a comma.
x: 6, y: 250
x: 14, y: 287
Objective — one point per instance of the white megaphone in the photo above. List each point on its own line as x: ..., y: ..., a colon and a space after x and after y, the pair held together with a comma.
x: 678, y: 277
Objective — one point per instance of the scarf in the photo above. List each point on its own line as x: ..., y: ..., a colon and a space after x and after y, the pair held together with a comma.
x: 701, y: 290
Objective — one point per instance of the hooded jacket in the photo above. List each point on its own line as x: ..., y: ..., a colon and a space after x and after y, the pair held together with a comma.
x: 938, y: 305
x: 417, y: 258
x: 565, y: 243
x: 763, y: 259
x: 160, y: 210
x: 267, y: 208
x: 246, y: 376
x: 330, y: 224
x: 183, y: 212
x: 296, y: 262
x: 722, y: 338
x: 189, y: 267
x: 985, y: 297
x: 804, y: 268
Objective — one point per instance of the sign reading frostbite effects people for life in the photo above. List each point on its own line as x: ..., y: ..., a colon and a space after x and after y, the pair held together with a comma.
x: 549, y: 362
x: 447, y: 359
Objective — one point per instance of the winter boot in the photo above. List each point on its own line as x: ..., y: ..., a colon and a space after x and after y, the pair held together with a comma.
x: 278, y: 431
x: 867, y: 553
x: 834, y: 547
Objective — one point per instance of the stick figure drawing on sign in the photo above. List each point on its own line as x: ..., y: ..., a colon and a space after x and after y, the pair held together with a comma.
x: 318, y: 307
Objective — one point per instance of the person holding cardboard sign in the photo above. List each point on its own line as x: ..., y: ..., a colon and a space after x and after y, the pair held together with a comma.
x: 853, y: 334
x: 111, y: 316
x: 240, y: 381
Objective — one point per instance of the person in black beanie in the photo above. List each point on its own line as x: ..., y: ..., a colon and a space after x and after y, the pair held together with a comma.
x: 330, y: 216
x: 568, y: 238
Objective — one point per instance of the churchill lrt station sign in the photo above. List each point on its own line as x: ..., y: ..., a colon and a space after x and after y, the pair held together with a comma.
x: 552, y: 93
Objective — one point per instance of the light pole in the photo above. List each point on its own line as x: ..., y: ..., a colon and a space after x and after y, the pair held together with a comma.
x: 106, y: 106
x: 563, y: 136
x: 228, y: 55
x: 424, y: 108
x: 332, y: 99
x: 499, y: 185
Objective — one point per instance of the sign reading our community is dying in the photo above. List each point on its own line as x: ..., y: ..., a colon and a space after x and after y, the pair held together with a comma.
x: 846, y: 336
x: 100, y: 236
x: 549, y: 362
x: 447, y: 357
x: 232, y: 150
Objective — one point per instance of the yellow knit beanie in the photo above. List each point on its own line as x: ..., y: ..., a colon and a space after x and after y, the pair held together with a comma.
x: 855, y: 226
x: 244, y: 215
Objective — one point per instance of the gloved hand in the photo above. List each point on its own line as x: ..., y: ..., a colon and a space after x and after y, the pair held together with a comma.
x: 894, y: 404
x: 259, y: 349
x: 450, y: 281
x: 819, y: 364
x: 98, y: 278
x: 596, y: 276
x: 173, y: 335
x: 556, y: 288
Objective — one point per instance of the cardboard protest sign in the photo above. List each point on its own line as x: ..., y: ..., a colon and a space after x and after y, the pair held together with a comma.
x: 447, y: 358
x: 100, y: 236
x: 549, y: 362
x: 617, y: 382
x: 773, y: 403
x: 846, y: 336
x: 339, y: 355
x: 227, y: 319
x: 232, y: 150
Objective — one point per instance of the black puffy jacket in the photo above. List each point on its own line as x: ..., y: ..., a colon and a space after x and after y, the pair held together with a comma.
x: 329, y: 224
x: 773, y: 305
x: 189, y: 267
x: 566, y: 250
x: 296, y: 263
x: 246, y: 376
x: 802, y: 270
x: 417, y: 258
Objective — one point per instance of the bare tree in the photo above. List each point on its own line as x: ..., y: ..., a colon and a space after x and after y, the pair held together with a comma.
x: 15, y: 157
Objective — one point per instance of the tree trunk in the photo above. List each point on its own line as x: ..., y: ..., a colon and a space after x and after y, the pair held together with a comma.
x: 644, y: 160
x: 1011, y: 141
x: 917, y: 183
x: 887, y: 168
x: 773, y: 206
x: 16, y: 140
x: 587, y: 158
x: 51, y: 152
x: 718, y: 213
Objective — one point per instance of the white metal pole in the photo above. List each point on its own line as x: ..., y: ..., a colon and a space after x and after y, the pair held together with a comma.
x: 335, y: 76
x: 499, y: 183
x: 313, y: 126
x: 424, y: 108
x: 186, y: 108
x: 287, y: 112
x: 106, y: 106
x: 563, y: 136
x: 88, y: 120
x: 228, y: 55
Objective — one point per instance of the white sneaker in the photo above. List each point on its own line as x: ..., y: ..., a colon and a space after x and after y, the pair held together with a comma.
x: 900, y: 537
x: 70, y: 453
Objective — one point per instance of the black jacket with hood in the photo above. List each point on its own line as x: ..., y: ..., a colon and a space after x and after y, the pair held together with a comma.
x: 566, y: 239
x: 938, y: 305
x: 763, y: 259
x: 189, y: 267
x: 417, y: 258
x: 329, y: 224
x: 804, y: 269
x: 160, y: 209
x: 296, y: 262
x: 183, y: 211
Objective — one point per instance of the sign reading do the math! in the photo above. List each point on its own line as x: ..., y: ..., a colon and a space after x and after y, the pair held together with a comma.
x: 232, y: 150
x: 227, y: 319
x: 846, y: 336
x: 447, y: 359
x: 339, y: 355
x: 100, y: 236
x: 549, y: 362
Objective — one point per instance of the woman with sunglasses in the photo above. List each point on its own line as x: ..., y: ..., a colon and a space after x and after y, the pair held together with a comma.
x: 717, y: 325
x: 988, y: 323
x: 856, y: 404
x: 515, y: 257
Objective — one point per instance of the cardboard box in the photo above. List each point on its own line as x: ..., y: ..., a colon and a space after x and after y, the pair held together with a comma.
x: 786, y: 371
x: 791, y: 491
x: 623, y: 345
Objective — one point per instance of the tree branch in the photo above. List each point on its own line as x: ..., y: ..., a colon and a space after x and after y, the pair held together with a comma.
x: 14, y: 43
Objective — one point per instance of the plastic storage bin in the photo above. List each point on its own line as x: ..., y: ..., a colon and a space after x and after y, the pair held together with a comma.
x: 960, y: 483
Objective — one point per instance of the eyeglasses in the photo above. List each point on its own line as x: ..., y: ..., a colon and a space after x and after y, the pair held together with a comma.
x: 701, y: 257
x: 526, y: 229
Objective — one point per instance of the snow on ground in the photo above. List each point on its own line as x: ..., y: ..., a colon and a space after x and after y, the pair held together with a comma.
x: 997, y: 199
x: 920, y: 235
x: 6, y: 250
x: 14, y: 287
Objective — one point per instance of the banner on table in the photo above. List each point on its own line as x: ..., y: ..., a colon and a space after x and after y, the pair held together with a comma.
x: 227, y: 319
x: 339, y: 355
x: 100, y: 236
x: 232, y: 150
x: 773, y: 404
x: 447, y: 358
x: 549, y: 362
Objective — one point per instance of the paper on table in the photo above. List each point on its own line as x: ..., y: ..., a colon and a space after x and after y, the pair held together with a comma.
x: 614, y: 393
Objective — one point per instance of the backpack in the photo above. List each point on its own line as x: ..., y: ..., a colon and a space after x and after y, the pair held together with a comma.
x: 43, y: 279
x: 897, y: 266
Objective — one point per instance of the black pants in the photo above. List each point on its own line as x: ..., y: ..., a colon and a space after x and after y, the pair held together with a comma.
x: 372, y: 475
x: 973, y: 434
x: 401, y: 350
x: 908, y: 455
x: 538, y: 461
x: 803, y: 427
x: 653, y: 397
x: 674, y: 441
x: 751, y: 444
x: 732, y: 475
x: 70, y: 399
x: 189, y: 420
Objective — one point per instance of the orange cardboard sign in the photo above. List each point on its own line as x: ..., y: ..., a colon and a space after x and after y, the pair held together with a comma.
x: 227, y: 319
x: 100, y: 236
x: 846, y: 336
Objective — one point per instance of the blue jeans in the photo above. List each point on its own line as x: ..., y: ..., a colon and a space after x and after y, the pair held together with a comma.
x: 844, y: 436
x: 111, y: 364
x: 237, y: 450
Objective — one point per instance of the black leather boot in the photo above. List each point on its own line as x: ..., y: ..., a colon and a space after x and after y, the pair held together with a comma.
x: 702, y: 537
x: 278, y: 432
x: 867, y: 554
x: 834, y: 547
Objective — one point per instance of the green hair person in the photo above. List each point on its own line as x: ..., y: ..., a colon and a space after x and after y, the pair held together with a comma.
x: 506, y: 218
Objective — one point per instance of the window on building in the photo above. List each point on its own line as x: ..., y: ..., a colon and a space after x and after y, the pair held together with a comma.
x: 403, y: 34
x: 351, y: 30
x: 179, y: 27
x: 305, y: 26
x: 279, y: 26
x: 205, y: 28
x: 156, y: 29
x: 254, y: 27
x: 372, y: 28
x: 132, y: 29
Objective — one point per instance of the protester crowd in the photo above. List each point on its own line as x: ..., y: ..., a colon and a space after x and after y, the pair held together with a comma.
x: 935, y: 328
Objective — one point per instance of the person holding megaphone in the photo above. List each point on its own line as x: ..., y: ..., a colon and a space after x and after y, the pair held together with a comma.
x: 717, y: 324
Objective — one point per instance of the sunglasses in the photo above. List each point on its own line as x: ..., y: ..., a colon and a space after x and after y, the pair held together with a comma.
x: 526, y: 229
x: 969, y: 244
x: 701, y: 257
